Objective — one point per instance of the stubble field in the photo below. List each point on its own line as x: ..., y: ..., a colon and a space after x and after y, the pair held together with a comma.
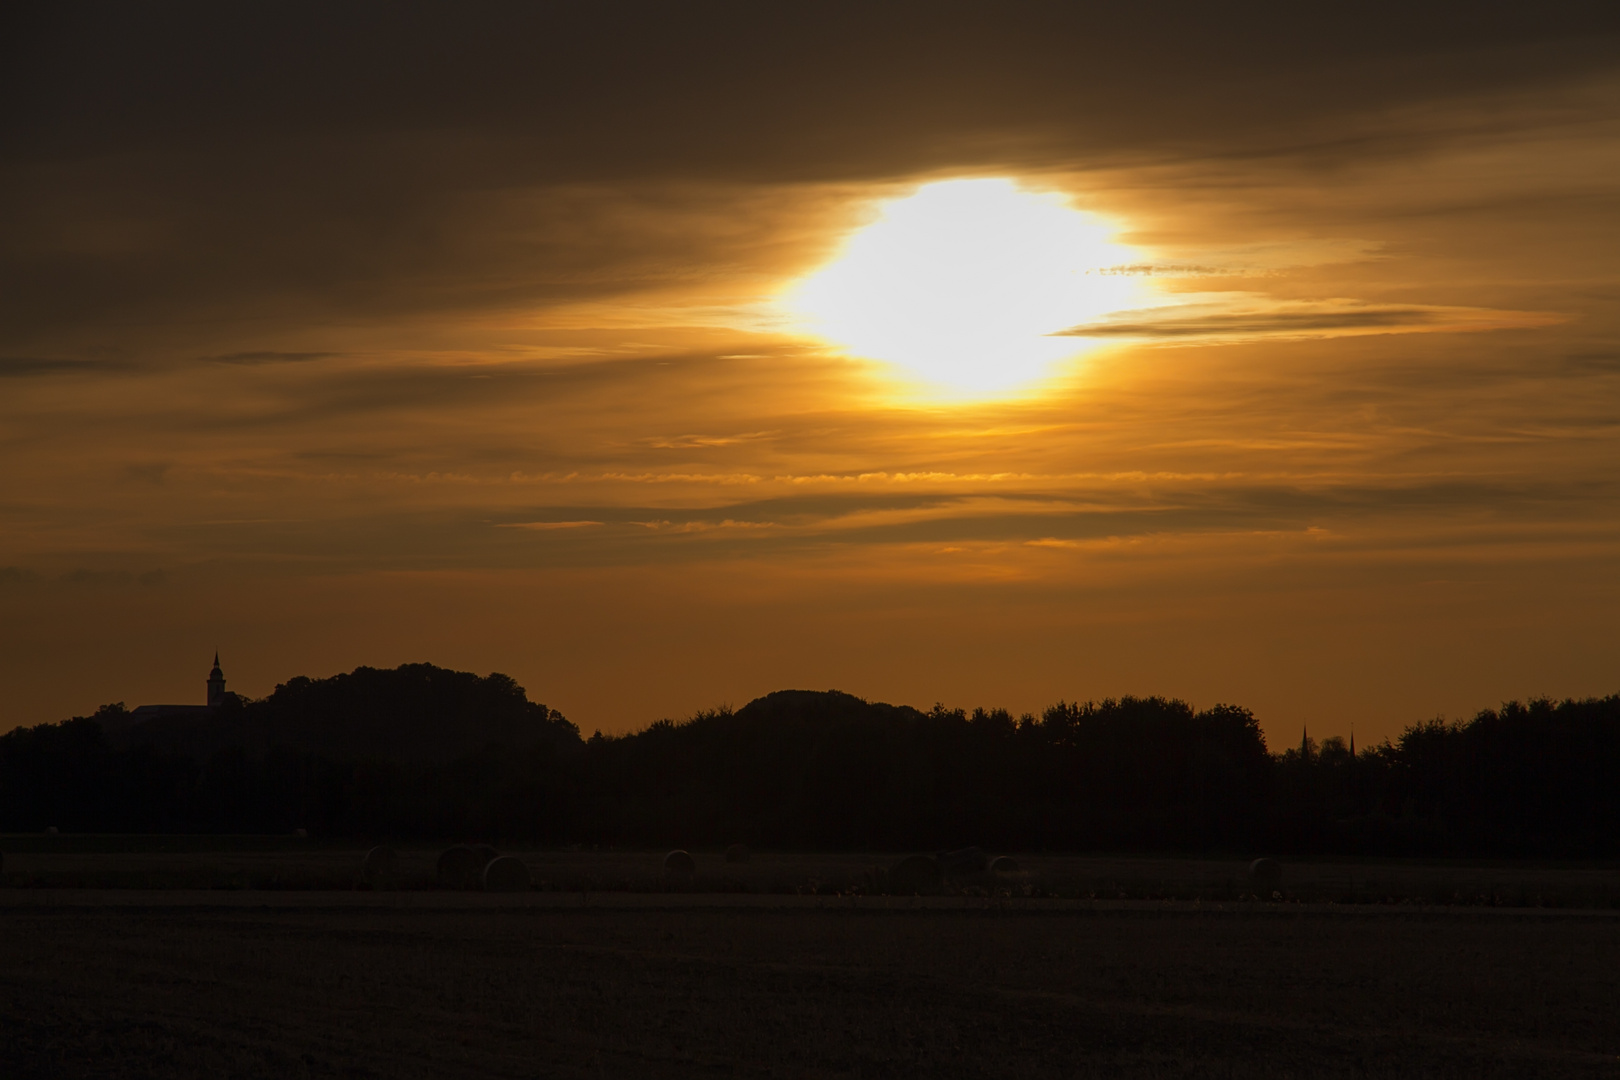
x: 282, y: 863
x: 167, y: 986
x: 190, y: 957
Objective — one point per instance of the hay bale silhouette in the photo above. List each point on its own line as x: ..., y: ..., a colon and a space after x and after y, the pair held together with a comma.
x: 915, y: 874
x: 964, y: 863
x: 483, y: 855
x: 679, y: 864
x: 459, y: 867
x: 1264, y: 874
x: 506, y: 873
x: 51, y: 830
x: 738, y: 853
x: 380, y: 868
x: 1004, y: 864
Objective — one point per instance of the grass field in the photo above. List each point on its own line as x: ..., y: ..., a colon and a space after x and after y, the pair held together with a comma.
x: 287, y: 985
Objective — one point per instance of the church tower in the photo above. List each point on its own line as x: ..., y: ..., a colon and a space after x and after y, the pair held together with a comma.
x: 216, y: 685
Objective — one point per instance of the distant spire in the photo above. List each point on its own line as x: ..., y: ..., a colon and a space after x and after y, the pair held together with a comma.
x: 1305, y: 741
x: 216, y: 684
x: 1352, y: 738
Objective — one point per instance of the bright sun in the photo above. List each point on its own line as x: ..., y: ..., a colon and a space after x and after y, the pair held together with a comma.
x: 961, y: 283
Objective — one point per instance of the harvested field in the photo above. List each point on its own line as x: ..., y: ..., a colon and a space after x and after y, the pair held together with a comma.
x: 278, y: 863
x: 464, y: 985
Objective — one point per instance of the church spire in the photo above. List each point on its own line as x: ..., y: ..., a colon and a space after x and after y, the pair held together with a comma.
x: 216, y: 684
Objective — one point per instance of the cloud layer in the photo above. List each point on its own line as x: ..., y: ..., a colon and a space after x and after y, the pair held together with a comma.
x: 449, y: 336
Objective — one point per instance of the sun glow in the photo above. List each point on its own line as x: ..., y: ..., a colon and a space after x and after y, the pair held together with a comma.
x: 960, y: 284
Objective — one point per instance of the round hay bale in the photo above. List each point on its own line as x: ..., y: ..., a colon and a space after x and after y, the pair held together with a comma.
x: 380, y: 868
x: 302, y: 834
x: 1004, y: 864
x: 51, y: 830
x: 915, y: 874
x: 738, y: 853
x: 679, y: 864
x: 506, y: 873
x: 967, y: 862
x: 1264, y: 874
x: 459, y: 867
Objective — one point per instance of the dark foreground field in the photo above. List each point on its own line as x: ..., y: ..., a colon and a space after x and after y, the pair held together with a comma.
x: 391, y: 985
x: 226, y: 863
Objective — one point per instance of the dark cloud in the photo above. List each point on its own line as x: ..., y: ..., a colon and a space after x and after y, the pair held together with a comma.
x: 23, y: 366
x: 1172, y: 324
x: 1602, y: 363
x: 602, y: 90
x: 153, y: 472
x: 268, y: 357
x: 112, y: 578
x: 190, y: 162
x: 82, y: 576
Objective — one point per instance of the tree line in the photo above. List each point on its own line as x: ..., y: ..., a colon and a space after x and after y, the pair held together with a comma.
x: 427, y: 753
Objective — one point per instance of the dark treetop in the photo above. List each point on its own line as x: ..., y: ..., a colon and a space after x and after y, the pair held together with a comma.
x: 421, y: 751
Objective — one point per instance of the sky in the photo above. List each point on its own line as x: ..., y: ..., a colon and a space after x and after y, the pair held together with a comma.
x: 662, y: 356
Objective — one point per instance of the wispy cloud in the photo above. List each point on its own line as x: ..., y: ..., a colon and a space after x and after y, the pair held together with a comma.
x: 700, y: 442
x: 1209, y: 323
x: 103, y: 578
x: 263, y: 356
x: 22, y: 366
x: 155, y: 472
x: 547, y: 526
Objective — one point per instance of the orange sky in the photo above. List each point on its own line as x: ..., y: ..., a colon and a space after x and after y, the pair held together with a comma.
x: 453, y: 340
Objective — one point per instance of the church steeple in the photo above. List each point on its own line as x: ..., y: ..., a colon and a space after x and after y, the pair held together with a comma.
x: 216, y: 684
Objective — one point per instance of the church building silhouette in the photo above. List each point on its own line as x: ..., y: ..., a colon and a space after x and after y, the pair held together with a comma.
x: 217, y: 696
